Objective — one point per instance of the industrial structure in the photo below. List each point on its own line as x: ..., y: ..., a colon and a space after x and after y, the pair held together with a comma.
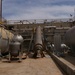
x: 46, y: 38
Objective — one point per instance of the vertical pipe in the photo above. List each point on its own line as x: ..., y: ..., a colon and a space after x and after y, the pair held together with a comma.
x: 57, y: 44
x: 0, y: 10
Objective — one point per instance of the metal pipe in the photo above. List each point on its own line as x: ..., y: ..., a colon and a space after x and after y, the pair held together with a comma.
x: 38, y: 39
x: 38, y: 43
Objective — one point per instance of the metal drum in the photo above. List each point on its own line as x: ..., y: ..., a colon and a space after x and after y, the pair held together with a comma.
x: 14, y: 48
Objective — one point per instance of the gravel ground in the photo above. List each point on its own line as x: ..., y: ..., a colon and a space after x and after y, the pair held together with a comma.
x: 40, y: 66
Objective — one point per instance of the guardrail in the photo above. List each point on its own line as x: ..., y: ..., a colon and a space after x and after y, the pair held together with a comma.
x: 37, y: 21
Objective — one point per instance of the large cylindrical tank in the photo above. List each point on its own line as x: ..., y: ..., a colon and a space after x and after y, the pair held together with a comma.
x: 70, y: 39
x: 4, y: 45
x: 14, y: 48
x: 5, y: 37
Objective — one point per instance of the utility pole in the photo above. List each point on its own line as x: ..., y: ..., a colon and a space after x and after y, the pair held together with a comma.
x: 74, y: 14
x: 0, y: 10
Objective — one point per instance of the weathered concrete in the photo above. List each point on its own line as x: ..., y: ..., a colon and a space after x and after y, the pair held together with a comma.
x: 65, y: 65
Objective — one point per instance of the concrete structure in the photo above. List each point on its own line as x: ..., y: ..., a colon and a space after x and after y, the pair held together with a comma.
x: 65, y: 65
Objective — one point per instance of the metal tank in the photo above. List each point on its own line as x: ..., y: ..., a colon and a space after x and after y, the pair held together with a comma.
x: 15, y: 47
x: 5, y: 37
x: 4, y: 45
x: 18, y: 38
x: 70, y: 39
x: 38, y: 43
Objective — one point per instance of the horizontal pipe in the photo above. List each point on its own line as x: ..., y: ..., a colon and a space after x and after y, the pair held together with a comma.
x: 38, y: 39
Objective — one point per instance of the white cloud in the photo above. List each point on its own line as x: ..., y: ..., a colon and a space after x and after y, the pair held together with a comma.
x: 41, y: 12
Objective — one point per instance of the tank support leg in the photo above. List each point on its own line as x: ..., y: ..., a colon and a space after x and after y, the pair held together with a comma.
x: 0, y: 55
x: 9, y: 57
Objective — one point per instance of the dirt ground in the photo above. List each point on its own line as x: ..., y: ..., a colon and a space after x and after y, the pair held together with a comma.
x: 40, y: 66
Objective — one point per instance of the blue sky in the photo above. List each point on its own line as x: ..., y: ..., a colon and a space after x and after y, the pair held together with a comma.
x: 37, y: 9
